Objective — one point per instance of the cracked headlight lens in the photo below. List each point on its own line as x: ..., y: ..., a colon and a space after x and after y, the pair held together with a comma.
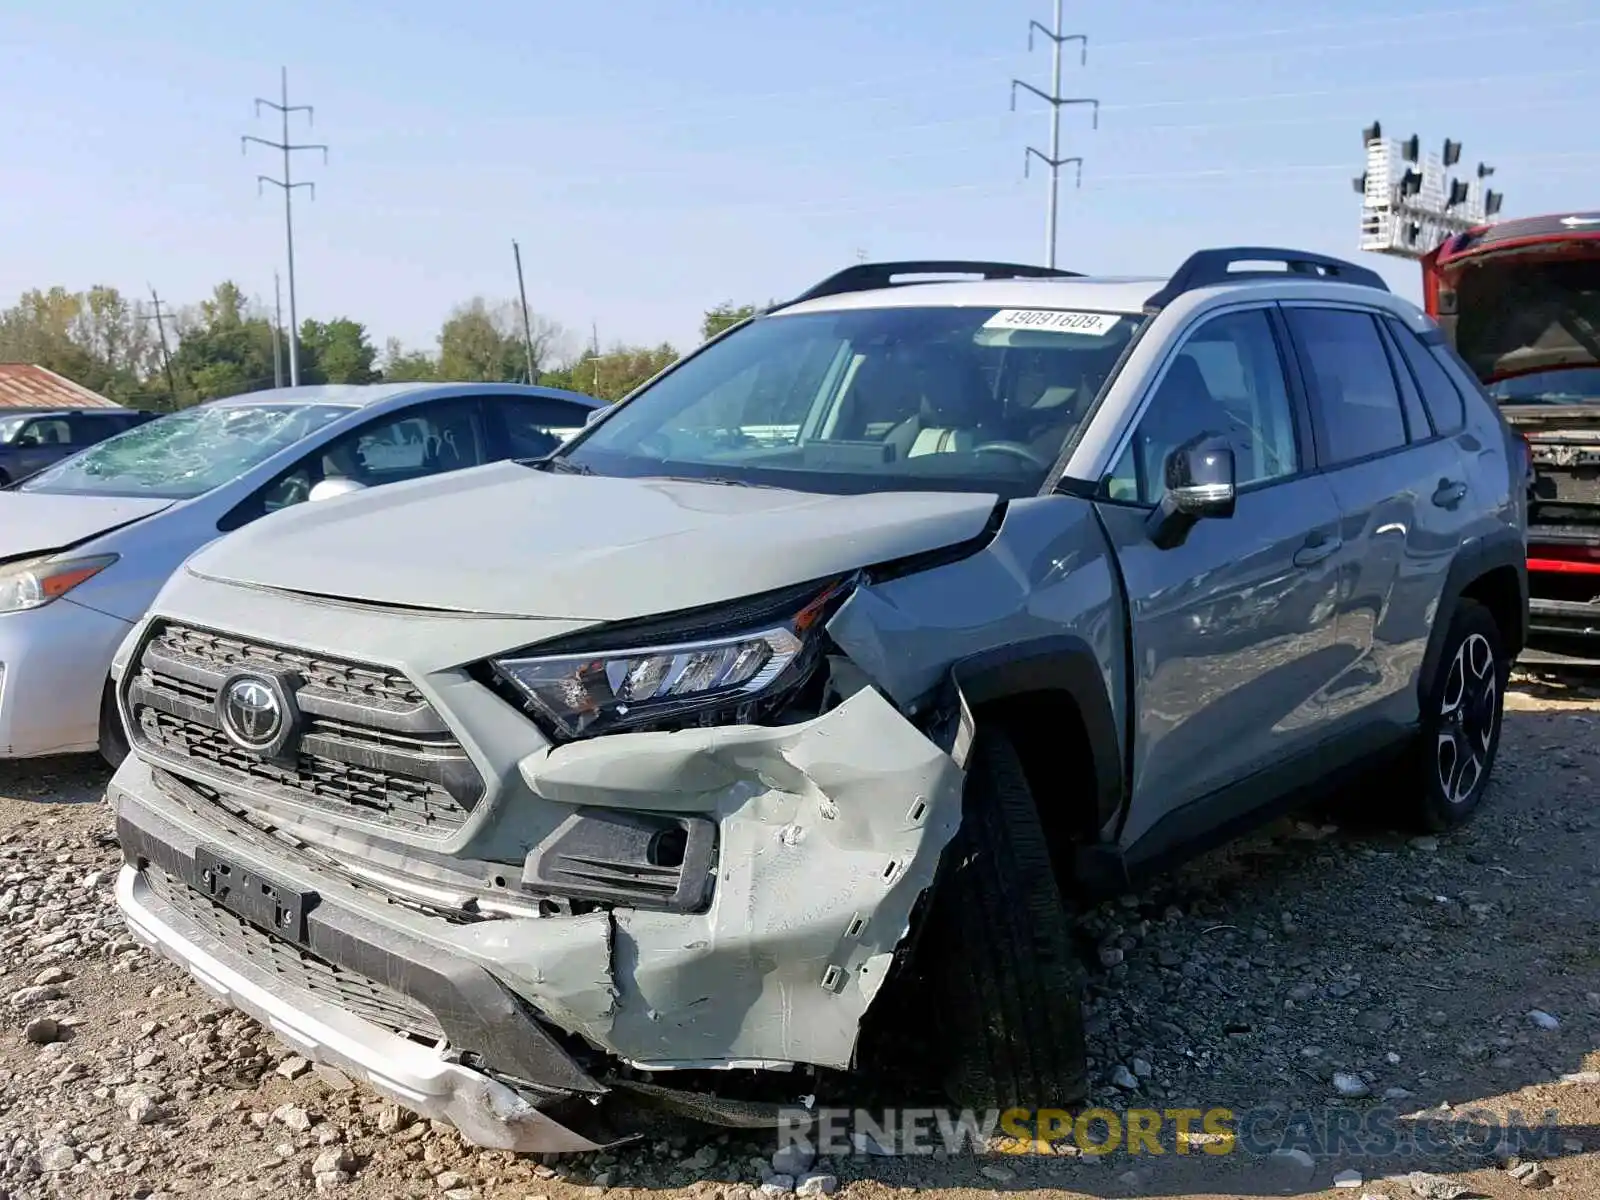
x: 587, y: 694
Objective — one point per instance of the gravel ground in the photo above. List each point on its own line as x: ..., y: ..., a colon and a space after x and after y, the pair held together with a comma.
x: 1317, y: 969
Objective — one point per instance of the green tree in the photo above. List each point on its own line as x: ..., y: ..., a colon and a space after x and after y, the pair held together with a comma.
x: 612, y: 375
x: 400, y: 365
x: 483, y: 343
x: 224, y: 349
x: 336, y: 351
x: 723, y: 316
x: 96, y: 338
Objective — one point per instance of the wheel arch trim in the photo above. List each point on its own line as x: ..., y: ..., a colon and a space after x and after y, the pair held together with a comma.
x: 1060, y: 663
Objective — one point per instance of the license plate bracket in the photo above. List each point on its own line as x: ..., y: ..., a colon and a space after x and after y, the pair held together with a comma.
x: 266, y: 902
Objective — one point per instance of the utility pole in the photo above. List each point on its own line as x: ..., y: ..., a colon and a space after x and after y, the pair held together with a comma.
x: 1056, y: 101
x: 527, y: 328
x: 594, y: 354
x: 161, y: 332
x: 277, y: 333
x: 288, y: 185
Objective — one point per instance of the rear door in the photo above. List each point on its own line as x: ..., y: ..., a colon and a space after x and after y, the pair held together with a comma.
x: 1233, y: 629
x: 531, y: 426
x: 1405, y: 502
x: 91, y: 427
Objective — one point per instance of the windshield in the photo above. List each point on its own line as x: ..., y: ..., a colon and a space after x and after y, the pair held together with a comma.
x: 9, y: 427
x: 1517, y: 314
x: 186, y: 453
x: 948, y: 399
x: 1576, y: 385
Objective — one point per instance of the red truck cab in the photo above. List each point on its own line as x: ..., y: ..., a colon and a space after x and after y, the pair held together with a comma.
x: 1520, y: 302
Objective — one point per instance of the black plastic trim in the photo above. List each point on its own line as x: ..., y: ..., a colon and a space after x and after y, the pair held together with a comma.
x: 1056, y: 663
x: 1208, y: 268
x: 871, y: 277
x: 477, y: 1012
x: 1502, y: 548
x: 606, y: 855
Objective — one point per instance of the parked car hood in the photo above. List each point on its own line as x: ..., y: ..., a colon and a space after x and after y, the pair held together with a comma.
x: 43, y: 522
x: 511, y: 540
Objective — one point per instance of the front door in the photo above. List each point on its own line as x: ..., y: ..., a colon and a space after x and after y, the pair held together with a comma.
x: 1232, y: 630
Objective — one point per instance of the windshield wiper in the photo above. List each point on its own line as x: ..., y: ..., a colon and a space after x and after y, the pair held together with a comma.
x: 560, y: 466
x: 719, y: 480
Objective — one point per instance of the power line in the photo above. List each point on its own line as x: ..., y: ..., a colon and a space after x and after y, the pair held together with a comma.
x: 691, y: 168
x: 287, y: 185
x: 911, y: 196
x: 527, y: 328
x: 161, y: 332
x: 737, y: 107
x: 277, y: 332
x: 1057, y: 102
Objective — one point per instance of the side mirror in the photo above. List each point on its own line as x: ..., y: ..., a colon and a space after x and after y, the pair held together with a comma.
x: 594, y: 415
x: 1200, y: 484
x: 327, y: 489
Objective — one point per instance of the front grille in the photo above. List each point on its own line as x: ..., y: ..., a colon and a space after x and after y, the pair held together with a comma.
x: 291, y: 967
x: 371, y: 749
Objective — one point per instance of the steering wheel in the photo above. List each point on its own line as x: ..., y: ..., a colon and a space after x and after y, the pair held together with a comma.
x: 1015, y: 450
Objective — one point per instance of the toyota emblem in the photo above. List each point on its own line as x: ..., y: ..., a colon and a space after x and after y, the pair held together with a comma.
x: 253, y: 712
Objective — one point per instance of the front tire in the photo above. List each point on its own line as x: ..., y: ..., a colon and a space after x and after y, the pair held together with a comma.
x: 1007, y: 982
x: 1462, y: 716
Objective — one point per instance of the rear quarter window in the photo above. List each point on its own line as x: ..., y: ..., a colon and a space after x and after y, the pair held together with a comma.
x: 1446, y: 406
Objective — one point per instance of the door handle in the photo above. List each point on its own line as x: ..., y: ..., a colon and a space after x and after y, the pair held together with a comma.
x: 1449, y: 493
x: 1318, y: 547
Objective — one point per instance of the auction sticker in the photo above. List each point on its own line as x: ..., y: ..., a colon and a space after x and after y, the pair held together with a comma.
x: 1054, y: 320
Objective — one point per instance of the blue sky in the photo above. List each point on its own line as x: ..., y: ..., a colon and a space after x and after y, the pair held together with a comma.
x: 655, y: 158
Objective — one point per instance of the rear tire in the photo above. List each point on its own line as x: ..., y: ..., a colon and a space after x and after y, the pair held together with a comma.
x: 1462, y: 714
x: 1005, y: 977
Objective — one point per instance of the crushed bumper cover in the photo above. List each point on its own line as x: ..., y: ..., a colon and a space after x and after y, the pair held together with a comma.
x: 471, y: 1007
x: 829, y: 832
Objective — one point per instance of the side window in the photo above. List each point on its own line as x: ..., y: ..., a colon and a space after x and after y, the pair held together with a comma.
x: 47, y: 431
x: 536, y: 427
x: 427, y: 440
x: 1439, y: 393
x: 1350, y: 374
x: 1226, y: 380
x: 87, y: 429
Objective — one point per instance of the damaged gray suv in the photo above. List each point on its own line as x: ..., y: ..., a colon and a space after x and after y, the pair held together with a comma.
x: 811, y: 687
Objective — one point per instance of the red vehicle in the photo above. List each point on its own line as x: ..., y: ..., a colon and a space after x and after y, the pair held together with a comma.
x: 1520, y: 301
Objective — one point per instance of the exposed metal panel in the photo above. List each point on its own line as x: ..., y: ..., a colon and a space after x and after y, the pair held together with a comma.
x: 24, y: 385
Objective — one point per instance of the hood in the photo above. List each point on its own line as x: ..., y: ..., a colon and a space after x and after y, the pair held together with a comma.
x: 42, y: 522
x: 1524, y: 310
x: 510, y: 540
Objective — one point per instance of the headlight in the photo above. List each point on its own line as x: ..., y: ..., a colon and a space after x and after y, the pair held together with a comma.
x: 587, y: 694
x: 36, y: 582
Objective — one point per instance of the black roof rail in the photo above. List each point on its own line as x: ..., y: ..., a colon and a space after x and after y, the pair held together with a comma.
x: 867, y: 277
x: 1204, y: 268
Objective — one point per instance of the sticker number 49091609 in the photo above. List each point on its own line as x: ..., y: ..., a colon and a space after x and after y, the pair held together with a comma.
x: 1054, y: 320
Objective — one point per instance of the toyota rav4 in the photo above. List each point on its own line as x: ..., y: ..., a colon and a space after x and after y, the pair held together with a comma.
x: 848, y: 652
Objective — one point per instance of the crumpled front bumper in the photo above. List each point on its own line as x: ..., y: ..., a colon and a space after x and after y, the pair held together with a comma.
x: 828, y: 833
x: 487, y: 1113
